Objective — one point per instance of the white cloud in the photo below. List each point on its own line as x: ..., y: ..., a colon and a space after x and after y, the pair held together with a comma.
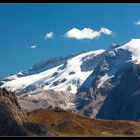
x: 49, y: 35
x: 137, y: 22
x: 106, y: 31
x: 33, y: 47
x: 86, y: 33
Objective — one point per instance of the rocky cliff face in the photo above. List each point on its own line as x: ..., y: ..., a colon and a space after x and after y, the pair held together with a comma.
x: 115, y: 90
x: 124, y: 100
x: 13, y: 120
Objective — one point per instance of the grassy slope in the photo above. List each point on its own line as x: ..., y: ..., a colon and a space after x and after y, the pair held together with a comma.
x: 65, y: 123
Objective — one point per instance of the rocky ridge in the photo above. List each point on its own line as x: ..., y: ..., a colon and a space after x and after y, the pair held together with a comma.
x: 14, y: 121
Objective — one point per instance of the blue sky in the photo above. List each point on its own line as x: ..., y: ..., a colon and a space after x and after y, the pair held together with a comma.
x: 30, y: 33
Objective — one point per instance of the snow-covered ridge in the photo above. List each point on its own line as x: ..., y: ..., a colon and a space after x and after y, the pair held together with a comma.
x: 66, y: 76
x: 134, y: 47
x: 69, y: 73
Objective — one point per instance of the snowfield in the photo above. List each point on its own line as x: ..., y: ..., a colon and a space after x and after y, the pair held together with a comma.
x: 65, y: 77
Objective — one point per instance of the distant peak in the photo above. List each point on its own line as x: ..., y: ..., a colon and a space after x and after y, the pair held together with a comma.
x: 134, y: 40
x: 133, y: 46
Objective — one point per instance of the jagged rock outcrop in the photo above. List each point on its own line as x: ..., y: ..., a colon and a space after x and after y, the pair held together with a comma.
x: 13, y: 120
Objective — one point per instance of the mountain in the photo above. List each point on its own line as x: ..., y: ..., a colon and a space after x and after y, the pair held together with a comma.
x: 114, y: 93
x: 53, y: 82
x: 14, y: 121
x: 55, y: 122
x: 97, y: 84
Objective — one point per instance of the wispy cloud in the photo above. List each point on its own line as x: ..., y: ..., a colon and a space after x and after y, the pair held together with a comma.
x: 33, y: 47
x: 49, y: 35
x: 137, y: 22
x: 87, y: 33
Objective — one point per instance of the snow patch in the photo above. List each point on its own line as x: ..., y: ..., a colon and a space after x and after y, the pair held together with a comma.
x: 104, y: 79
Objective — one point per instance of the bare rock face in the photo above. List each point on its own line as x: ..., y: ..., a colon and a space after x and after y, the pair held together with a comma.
x: 11, y: 115
x: 116, y: 98
x: 124, y: 100
x: 13, y: 120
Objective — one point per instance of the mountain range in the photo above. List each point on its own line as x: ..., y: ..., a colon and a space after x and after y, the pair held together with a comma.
x: 102, y: 84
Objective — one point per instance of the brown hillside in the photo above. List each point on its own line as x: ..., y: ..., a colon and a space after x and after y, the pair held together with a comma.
x: 64, y: 123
